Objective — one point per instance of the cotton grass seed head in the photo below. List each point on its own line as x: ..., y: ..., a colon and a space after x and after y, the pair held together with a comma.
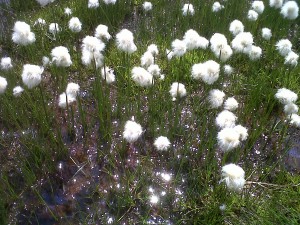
x: 75, y: 25
x: 258, y: 6
x: 266, y: 33
x: 284, y: 47
x: 208, y: 71
x: 216, y: 7
x: 3, y: 84
x: 154, y: 70
x: 147, y: 59
x: 286, y: 96
x: 228, y: 139
x: 233, y: 175
x: 254, y: 52
x: 6, y: 63
x: 276, y: 3
x: 217, y: 42
x: 17, y: 91
x: 68, y: 11
x: 93, y: 4
x: 162, y: 143
x: 108, y: 75
x: 65, y: 100
x: 178, y: 47
x: 290, y: 108
x: 252, y: 15
x: 177, y: 90
x: 54, y: 28
x: 291, y: 59
x: 242, y: 131
x: 44, y: 2
x: 132, y: 131
x: 295, y: 120
x: 22, y: 34
x: 147, y: 6
x: 32, y: 75
x: 236, y: 27
x: 153, y: 49
x: 40, y: 22
x: 61, y: 57
x: 225, y: 119
x: 72, y: 89
x: 231, y: 104
x: 216, y: 98
x: 101, y: 32
x: 290, y: 10
x: 107, y: 2
x: 188, y: 10
x: 242, y: 41
x: 228, y: 70
x: 124, y: 41
x: 193, y: 40
x: 141, y: 77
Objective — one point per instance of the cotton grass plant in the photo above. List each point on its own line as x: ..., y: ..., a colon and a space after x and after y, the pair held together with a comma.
x: 100, y: 125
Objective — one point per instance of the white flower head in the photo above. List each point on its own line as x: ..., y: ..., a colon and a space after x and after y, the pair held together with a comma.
x: 101, y: 32
x: 68, y: 11
x: 188, y: 9
x: 177, y: 90
x: 258, y: 6
x: 290, y: 108
x: 231, y: 104
x: 92, y: 4
x: 233, y: 175
x: 45, y: 61
x: 290, y: 10
x: 132, y: 131
x: 72, y: 89
x: 193, y: 40
x: 40, y: 21
x: 154, y: 70
x: 153, y: 49
x: 108, y: 75
x: 65, y: 100
x: 91, y: 49
x: 75, y: 25
x: 228, y: 139
x: 32, y: 75
x: 17, y: 91
x: 295, y: 120
x: 225, y: 119
x: 54, y: 28
x: 61, y: 57
x: 147, y: 6
x: 223, y: 53
x: 216, y: 98
x: 110, y: 2
x: 242, y: 41
x: 217, y: 41
x: 291, y: 59
x: 208, y: 71
x: 178, y: 47
x: 162, y: 143
x: 3, y: 84
x: 266, y: 33
x: 141, y: 77
x: 236, y: 27
x: 242, y: 131
x: 252, y: 15
x: 254, y: 52
x: 124, y: 41
x: 284, y: 46
x: 228, y: 70
x: 6, y: 63
x: 44, y: 2
x: 216, y: 7
x: 286, y: 96
x: 22, y: 34
x: 276, y: 3
x: 147, y: 59
x: 169, y: 54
